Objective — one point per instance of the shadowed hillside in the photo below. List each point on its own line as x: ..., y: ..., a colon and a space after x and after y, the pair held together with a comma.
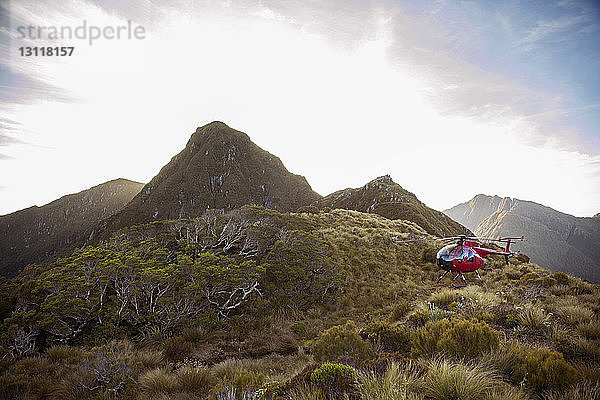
x: 33, y: 234
x: 384, y: 197
x: 220, y: 168
x: 555, y: 240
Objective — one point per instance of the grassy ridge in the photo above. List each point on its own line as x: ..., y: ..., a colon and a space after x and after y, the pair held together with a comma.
x: 338, y: 310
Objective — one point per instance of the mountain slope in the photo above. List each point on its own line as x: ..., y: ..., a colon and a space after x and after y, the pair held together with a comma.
x: 220, y: 168
x: 384, y: 197
x: 30, y: 235
x: 555, y: 240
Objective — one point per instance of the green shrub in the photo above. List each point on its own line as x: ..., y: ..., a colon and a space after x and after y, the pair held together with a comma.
x: 387, y: 337
x: 334, y: 378
x: 456, y: 338
x: 447, y: 380
x: 340, y: 341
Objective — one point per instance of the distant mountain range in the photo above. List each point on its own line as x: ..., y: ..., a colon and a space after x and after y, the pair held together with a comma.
x: 35, y: 233
x: 384, y: 197
x: 554, y: 240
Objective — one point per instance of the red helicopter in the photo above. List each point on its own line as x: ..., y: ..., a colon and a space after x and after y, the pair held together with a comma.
x: 466, y: 255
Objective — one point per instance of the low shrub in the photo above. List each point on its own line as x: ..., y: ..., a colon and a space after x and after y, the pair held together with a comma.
x: 561, y: 278
x: 387, y: 337
x: 461, y: 338
x: 340, y: 341
x: 334, y: 378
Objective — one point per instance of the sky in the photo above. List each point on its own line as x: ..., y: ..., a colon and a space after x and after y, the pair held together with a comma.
x: 451, y: 98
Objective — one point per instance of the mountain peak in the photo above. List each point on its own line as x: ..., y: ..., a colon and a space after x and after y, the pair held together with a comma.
x: 220, y: 168
x: 385, y: 197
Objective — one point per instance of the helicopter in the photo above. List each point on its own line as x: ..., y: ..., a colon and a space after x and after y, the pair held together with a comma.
x: 466, y: 255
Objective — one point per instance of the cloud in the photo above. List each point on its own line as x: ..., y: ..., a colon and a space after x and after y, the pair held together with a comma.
x: 549, y: 30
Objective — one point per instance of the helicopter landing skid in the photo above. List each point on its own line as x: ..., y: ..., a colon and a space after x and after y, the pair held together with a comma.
x: 463, y: 279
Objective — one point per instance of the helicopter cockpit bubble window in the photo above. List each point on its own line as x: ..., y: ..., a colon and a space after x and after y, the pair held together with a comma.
x: 446, y: 253
x: 470, y: 256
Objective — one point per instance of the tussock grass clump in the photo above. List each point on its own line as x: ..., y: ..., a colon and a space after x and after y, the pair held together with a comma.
x: 459, y: 339
x: 443, y: 297
x: 533, y: 317
x: 156, y: 381
x: 177, y: 349
x: 507, y: 392
x: 538, y: 368
x: 340, y: 341
x: 428, y: 313
x: 194, y: 334
x: 575, y: 314
x: 62, y: 353
x: 584, y: 390
x: 149, y: 358
x: 307, y: 392
x: 198, y: 380
x: 401, y: 308
x: 447, y: 380
x: 396, y: 383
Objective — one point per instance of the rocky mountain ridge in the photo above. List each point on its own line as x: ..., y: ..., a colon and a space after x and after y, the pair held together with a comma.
x: 383, y: 196
x: 33, y: 234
